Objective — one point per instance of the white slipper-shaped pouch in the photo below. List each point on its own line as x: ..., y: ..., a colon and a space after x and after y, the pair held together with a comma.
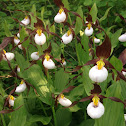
x: 11, y: 100
x: 8, y: 55
x: 67, y: 37
x: 64, y: 101
x: 21, y: 87
x: 96, y: 40
x: 40, y: 38
x: 98, y: 73
x: 25, y: 21
x: 122, y: 38
x: 60, y: 17
x: 48, y: 63
x: 95, y: 112
x: 35, y: 55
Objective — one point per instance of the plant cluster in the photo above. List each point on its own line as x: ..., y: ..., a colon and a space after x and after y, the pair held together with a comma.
x: 60, y: 65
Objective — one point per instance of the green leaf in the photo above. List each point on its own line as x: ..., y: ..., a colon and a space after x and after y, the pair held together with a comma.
x: 66, y: 4
x: 6, y: 29
x: 61, y: 80
x: 56, y: 50
x: 88, y: 2
x: 18, y: 117
x: 82, y: 55
x: 88, y: 122
x: 63, y: 117
x: 42, y: 13
x: 105, y: 15
x: 33, y: 10
x: 35, y: 76
x: 93, y: 12
x: 79, y: 24
x: 115, y: 36
x: 24, y: 34
x: 116, y: 63
x: 114, y: 111
x: 38, y: 118
x: 88, y: 86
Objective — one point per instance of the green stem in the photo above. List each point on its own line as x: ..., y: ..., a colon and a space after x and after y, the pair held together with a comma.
x: 54, y: 116
x: 4, y: 124
x: 43, y: 109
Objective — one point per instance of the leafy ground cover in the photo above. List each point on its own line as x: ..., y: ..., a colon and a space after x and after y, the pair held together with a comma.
x: 67, y: 73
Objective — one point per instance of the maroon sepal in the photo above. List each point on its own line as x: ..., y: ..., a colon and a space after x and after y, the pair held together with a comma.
x: 96, y: 89
x: 59, y: 3
x: 89, y: 18
x: 86, y: 98
x: 104, y: 50
x: 122, y: 57
x: 116, y: 100
x: 9, y: 111
x: 6, y: 41
x: 67, y: 90
x: 38, y: 24
x: 121, y: 17
x: 48, y: 50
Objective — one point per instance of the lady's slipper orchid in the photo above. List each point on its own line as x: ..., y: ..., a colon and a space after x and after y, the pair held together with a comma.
x: 89, y: 30
x: 67, y: 37
x: 25, y: 21
x: 96, y: 40
x: 21, y: 87
x: 125, y: 117
x: 18, y: 35
x: 18, y: 69
x: 64, y: 101
x: 48, y: 63
x: 61, y: 16
x: 11, y: 100
x: 16, y: 40
x: 7, y: 55
x: 122, y: 38
x: 63, y: 63
x: 40, y: 38
x: 35, y: 55
x: 95, y: 109
x: 124, y: 73
x: 98, y: 73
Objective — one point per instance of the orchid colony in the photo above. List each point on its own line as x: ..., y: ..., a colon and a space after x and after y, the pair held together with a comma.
x: 98, y: 73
